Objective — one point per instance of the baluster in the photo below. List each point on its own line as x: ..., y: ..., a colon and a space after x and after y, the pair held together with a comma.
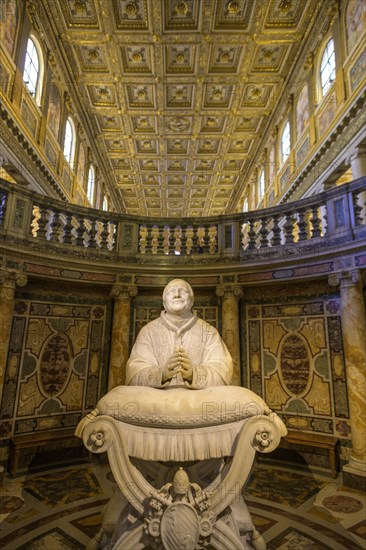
x: 149, y: 240
x: 212, y: 239
x: 301, y: 224
x: 251, y: 235
x: 93, y: 234
x: 160, y: 240
x: 154, y: 239
x: 200, y: 239
x: 189, y: 239
x: 68, y: 227
x: 289, y: 228
x: 3, y: 201
x: 55, y: 226
x: 104, y: 235
x: 183, y: 240
x: 79, y: 241
x: 177, y: 240
x: 143, y: 239
x: 166, y: 238
x: 357, y: 209
x: 42, y: 223
x: 315, y: 221
x: 276, y: 232
x: 171, y: 241
x: 206, y: 239
x: 113, y: 241
x: 263, y: 233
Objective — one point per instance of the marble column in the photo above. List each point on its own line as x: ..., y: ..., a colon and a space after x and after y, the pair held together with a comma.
x: 8, y: 282
x: 354, y: 340
x: 122, y: 295
x: 357, y: 161
x: 230, y: 295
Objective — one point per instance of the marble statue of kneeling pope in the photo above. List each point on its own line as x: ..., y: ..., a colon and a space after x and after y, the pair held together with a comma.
x: 180, y: 440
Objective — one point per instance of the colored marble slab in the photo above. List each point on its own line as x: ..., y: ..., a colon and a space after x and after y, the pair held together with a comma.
x: 64, y: 487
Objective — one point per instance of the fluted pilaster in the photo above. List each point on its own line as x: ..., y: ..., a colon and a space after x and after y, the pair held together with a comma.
x: 230, y: 296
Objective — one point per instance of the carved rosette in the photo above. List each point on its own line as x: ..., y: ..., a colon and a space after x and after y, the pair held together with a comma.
x: 97, y: 436
x: 267, y: 434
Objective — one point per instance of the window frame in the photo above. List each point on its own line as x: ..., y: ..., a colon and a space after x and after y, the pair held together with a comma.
x: 261, y: 185
x: 36, y: 91
x: 284, y: 155
x: 327, y: 85
x: 70, y: 154
x: 90, y: 189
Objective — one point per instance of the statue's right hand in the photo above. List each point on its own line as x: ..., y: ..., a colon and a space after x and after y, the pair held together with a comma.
x: 172, y: 367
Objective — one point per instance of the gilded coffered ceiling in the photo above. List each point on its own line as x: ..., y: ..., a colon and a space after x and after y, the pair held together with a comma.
x: 178, y: 93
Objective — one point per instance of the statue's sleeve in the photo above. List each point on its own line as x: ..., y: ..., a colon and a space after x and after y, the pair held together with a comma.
x: 142, y: 366
x: 216, y: 365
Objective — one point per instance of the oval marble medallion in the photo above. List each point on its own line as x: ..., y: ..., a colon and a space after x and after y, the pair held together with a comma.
x: 55, y: 364
x: 295, y: 364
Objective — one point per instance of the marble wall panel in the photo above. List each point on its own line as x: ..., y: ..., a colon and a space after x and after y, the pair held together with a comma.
x: 57, y: 364
x: 293, y: 357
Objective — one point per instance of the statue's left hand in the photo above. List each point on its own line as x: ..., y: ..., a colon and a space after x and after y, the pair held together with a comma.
x: 186, y: 367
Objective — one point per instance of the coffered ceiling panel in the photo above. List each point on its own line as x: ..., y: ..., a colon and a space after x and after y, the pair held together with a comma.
x: 177, y: 94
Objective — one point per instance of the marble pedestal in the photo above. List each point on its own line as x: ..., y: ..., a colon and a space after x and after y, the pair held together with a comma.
x: 179, y: 487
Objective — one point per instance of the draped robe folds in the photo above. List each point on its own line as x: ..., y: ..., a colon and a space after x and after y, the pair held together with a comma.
x: 156, y: 343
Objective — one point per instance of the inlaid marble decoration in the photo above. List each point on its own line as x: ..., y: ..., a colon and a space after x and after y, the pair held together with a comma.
x: 56, y: 365
x: 296, y: 363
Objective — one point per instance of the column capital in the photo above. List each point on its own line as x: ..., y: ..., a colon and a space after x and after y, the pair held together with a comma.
x: 11, y: 279
x: 123, y: 292
x: 229, y: 291
x: 345, y: 279
x: 358, y: 151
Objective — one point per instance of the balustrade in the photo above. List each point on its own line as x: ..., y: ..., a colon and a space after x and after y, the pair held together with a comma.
x: 30, y: 216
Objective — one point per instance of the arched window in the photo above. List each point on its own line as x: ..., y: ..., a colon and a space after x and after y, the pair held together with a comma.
x: 33, y: 69
x: 69, y: 141
x: 285, y: 142
x: 327, y: 67
x: 261, y: 185
x: 105, y: 203
x: 91, y: 185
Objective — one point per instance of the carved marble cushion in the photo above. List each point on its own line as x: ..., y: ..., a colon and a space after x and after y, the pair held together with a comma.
x: 179, y: 407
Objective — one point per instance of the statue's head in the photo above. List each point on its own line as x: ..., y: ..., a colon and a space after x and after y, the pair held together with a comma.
x: 178, y: 297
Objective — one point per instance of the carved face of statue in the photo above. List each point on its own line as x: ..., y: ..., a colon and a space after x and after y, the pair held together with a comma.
x: 178, y: 297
